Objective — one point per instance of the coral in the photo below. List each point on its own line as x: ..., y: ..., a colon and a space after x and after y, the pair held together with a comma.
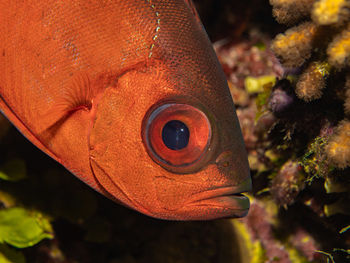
x: 288, y: 182
x: 295, y: 45
x: 322, y: 52
x: 312, y: 81
x: 327, y: 12
x: 339, y: 49
x: 335, y: 186
x: 281, y: 98
x: 304, y: 36
x: 255, y: 251
x: 314, y: 161
x: 256, y: 85
x: 289, y: 12
x: 259, y: 223
x: 332, y: 185
x: 89, y: 228
x: 304, y: 243
x: 338, y: 148
x: 260, y: 229
x: 287, y: 173
x: 240, y: 97
x: 339, y: 207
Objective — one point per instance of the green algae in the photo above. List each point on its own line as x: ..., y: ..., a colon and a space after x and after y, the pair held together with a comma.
x: 23, y: 228
x: 13, y: 170
x: 314, y: 161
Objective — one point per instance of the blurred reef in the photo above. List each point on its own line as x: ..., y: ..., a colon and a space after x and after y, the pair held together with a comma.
x: 292, y: 96
x: 319, y: 47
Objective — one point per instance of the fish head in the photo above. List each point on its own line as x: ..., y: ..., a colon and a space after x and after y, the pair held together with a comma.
x: 130, y: 97
x: 169, y: 151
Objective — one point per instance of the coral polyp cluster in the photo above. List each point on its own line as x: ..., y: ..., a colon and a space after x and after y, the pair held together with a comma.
x: 294, y: 47
x: 338, y: 148
x: 339, y: 49
x: 288, y: 12
x: 326, y: 12
x: 319, y: 47
x: 312, y: 81
x: 286, y: 185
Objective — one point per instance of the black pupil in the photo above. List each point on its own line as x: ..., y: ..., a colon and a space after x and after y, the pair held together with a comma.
x: 175, y: 135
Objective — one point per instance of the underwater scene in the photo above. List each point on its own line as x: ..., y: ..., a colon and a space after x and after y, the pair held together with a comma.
x: 287, y: 64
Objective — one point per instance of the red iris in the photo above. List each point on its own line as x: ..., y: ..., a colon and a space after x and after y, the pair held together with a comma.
x: 190, y: 128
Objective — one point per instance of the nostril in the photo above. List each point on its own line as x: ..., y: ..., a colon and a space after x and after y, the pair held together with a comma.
x: 226, y: 164
x: 224, y: 159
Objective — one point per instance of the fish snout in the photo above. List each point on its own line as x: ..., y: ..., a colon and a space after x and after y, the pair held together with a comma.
x: 217, y: 191
x: 225, y: 198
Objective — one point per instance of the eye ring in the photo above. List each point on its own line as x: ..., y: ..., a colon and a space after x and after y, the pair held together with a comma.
x: 185, y: 159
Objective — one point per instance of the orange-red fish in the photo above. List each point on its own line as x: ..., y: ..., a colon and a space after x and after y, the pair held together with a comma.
x: 129, y: 96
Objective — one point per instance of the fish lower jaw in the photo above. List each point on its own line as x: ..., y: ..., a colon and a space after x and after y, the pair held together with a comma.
x: 221, y: 202
x: 224, y: 206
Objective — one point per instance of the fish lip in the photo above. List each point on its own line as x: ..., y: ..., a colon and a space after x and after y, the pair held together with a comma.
x: 225, y: 190
x: 221, y: 192
x: 228, y: 198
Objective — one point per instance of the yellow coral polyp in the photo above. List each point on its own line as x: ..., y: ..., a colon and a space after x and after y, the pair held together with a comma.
x: 312, y: 81
x: 334, y: 148
x: 293, y: 38
x: 338, y: 154
x: 339, y: 50
x: 327, y: 12
x: 294, y: 47
x: 338, y: 148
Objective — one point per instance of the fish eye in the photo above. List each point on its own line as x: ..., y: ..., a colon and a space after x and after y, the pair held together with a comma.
x: 177, y: 136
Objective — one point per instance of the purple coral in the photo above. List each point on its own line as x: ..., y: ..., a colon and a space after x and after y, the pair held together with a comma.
x: 281, y: 97
x: 287, y: 184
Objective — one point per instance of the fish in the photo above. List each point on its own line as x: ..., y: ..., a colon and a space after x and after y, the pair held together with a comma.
x: 129, y: 96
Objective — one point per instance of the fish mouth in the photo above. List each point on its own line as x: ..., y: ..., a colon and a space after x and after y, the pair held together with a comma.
x: 225, y: 201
